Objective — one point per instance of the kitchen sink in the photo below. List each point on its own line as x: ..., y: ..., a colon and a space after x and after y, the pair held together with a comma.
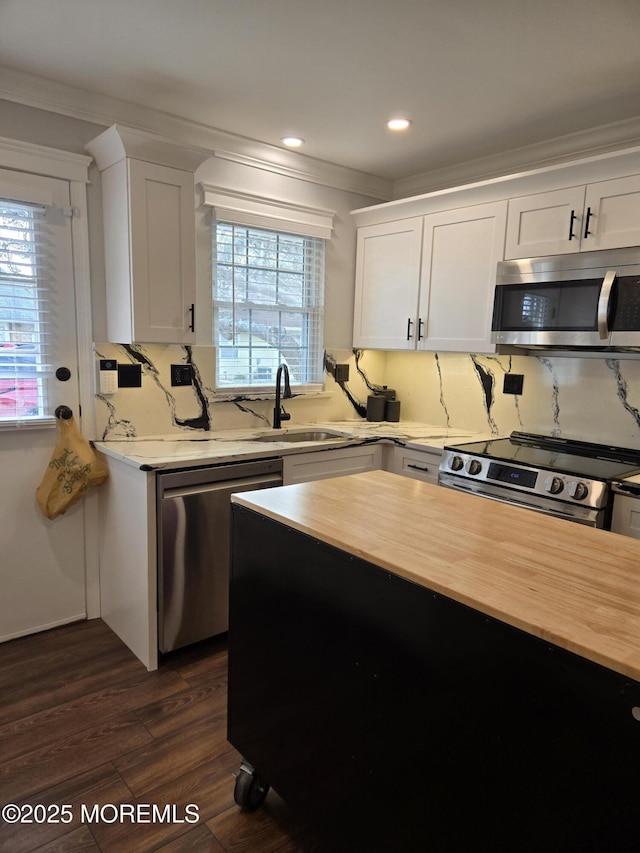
x: 302, y: 435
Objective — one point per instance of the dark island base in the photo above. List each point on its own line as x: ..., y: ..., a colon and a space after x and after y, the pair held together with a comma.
x: 415, y: 722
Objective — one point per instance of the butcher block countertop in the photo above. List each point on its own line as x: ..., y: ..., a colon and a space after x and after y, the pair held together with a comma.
x: 575, y: 587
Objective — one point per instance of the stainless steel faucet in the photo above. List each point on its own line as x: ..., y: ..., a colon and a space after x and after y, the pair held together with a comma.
x: 279, y: 413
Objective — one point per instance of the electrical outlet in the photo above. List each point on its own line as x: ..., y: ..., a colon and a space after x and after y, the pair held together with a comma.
x: 129, y: 376
x: 513, y: 383
x: 181, y: 374
x: 341, y: 373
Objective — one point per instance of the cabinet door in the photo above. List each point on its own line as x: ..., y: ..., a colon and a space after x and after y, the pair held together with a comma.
x: 545, y: 224
x: 460, y: 255
x: 626, y: 516
x: 387, y: 281
x: 162, y: 235
x: 613, y: 211
x: 322, y: 464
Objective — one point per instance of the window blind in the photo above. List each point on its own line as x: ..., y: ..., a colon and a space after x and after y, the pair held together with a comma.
x: 25, y: 313
x: 268, y: 307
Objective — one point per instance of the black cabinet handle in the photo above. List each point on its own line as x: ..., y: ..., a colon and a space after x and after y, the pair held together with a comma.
x: 420, y: 325
x: 418, y: 468
x: 409, y: 324
x: 571, y: 221
x: 586, y: 223
x: 192, y: 311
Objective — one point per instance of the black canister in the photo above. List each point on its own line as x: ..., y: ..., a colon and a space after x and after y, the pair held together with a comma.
x: 392, y: 410
x: 375, y: 407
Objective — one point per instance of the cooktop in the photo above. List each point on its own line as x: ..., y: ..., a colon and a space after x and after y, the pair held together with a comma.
x: 569, y: 456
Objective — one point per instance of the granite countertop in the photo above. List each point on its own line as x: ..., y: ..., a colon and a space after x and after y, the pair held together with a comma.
x: 230, y: 445
x: 578, y: 592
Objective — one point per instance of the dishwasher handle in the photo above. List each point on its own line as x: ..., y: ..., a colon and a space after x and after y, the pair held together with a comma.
x: 264, y: 481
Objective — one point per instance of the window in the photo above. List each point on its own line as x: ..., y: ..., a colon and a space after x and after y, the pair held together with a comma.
x: 24, y: 362
x: 268, y: 294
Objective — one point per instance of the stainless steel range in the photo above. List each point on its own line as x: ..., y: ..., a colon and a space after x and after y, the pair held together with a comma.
x: 556, y: 476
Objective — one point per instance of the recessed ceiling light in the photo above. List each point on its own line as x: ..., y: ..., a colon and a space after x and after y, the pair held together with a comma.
x: 398, y: 123
x: 292, y: 141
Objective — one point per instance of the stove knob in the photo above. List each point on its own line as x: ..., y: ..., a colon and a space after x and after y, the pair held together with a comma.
x: 456, y: 463
x: 474, y: 467
x: 553, y: 485
x: 578, y: 490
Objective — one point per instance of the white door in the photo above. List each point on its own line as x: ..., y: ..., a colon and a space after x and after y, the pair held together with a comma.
x: 42, y: 571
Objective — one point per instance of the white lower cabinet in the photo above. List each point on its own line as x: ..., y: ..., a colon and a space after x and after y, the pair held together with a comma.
x: 322, y: 464
x: 418, y: 464
x: 626, y: 516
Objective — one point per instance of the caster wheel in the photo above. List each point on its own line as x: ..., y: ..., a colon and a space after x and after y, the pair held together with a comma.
x: 250, y: 790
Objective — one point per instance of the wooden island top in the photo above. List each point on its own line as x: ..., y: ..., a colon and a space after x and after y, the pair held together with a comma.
x: 572, y: 586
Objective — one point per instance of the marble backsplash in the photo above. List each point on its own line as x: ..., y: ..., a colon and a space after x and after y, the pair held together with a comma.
x: 157, y: 408
x: 595, y: 399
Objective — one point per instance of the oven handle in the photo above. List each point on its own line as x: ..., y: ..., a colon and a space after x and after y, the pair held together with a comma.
x: 603, y: 304
x: 515, y: 502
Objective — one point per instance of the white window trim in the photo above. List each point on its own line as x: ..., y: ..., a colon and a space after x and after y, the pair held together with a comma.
x: 41, y: 160
x: 74, y: 168
x: 276, y: 214
x: 262, y: 212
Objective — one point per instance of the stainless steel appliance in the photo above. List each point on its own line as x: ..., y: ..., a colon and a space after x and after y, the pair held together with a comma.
x: 194, y: 520
x: 556, y: 476
x: 587, y: 300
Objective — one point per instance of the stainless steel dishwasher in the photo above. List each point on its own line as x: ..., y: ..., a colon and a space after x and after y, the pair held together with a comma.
x: 193, y: 546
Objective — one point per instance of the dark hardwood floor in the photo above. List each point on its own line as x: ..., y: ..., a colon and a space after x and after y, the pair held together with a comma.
x: 82, y: 723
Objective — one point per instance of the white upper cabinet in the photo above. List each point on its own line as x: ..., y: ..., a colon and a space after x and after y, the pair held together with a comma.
x: 612, y: 214
x: 461, y: 250
x: 545, y: 224
x: 426, y: 283
x: 602, y: 215
x: 387, y: 284
x: 149, y: 238
x: 149, y: 253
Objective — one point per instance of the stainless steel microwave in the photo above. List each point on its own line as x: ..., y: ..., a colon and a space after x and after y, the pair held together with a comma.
x: 588, y: 300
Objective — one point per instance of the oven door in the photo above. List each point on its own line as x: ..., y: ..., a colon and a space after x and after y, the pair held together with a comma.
x: 546, y: 506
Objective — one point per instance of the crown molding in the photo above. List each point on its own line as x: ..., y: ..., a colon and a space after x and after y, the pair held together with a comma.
x: 119, y: 142
x: 605, y: 139
x: 40, y: 93
x: 105, y: 111
x: 317, y: 172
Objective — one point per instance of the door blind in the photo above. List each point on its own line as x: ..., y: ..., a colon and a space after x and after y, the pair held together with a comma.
x: 268, y: 307
x: 26, y: 313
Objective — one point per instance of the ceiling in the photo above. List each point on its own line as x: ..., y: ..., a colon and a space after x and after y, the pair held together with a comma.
x: 477, y: 77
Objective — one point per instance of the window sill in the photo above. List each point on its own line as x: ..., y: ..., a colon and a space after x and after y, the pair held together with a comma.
x: 26, y: 423
x: 230, y: 395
